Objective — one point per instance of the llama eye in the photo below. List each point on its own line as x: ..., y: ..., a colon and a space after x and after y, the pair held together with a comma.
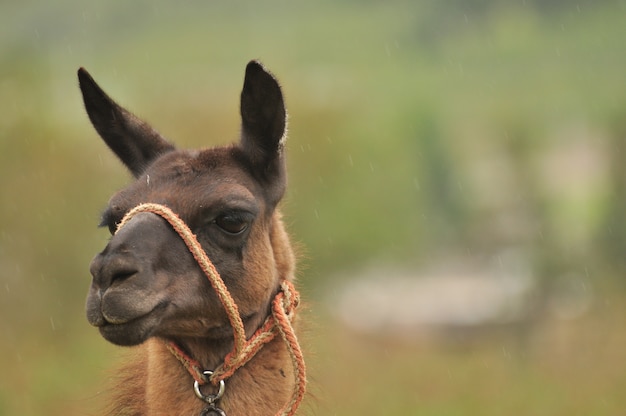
x: 232, y: 224
x: 109, y: 223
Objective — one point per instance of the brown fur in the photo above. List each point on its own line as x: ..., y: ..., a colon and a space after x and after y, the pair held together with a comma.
x: 146, y: 286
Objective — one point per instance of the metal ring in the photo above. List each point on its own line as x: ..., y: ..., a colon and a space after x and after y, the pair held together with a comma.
x: 209, y: 398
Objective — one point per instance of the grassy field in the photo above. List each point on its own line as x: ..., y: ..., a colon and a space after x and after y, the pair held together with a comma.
x: 420, y: 133
x: 563, y: 368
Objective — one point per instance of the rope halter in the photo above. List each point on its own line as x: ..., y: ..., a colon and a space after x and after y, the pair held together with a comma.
x: 279, y: 322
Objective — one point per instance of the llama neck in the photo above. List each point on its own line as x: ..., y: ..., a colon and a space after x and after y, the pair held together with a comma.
x: 260, y: 388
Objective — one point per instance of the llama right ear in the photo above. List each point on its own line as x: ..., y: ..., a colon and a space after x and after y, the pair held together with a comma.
x: 264, y: 121
x: 131, y: 139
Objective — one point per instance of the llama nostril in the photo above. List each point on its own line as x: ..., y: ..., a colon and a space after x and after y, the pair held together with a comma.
x: 113, y: 268
x: 122, y: 275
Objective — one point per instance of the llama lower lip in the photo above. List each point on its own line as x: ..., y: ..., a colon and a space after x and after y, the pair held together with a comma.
x: 129, y: 333
x: 133, y: 331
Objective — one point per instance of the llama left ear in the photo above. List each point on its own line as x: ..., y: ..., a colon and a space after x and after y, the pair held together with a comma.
x: 264, y: 121
x: 131, y: 139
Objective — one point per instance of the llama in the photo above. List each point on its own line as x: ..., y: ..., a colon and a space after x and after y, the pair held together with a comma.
x: 148, y: 289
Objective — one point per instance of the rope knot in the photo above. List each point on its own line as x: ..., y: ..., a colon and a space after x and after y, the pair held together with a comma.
x: 290, y: 298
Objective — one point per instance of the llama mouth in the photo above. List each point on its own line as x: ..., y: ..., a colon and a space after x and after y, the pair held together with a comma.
x: 131, y: 332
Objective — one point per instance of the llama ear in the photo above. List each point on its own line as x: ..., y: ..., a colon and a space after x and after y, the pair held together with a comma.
x: 264, y: 121
x: 131, y: 139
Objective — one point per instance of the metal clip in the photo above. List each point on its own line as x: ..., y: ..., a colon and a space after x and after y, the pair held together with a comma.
x: 209, y: 398
x: 211, y: 410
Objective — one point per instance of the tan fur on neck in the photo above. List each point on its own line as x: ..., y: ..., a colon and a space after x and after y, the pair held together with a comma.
x: 155, y: 384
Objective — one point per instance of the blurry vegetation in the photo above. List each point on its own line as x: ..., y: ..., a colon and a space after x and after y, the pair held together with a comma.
x: 418, y: 131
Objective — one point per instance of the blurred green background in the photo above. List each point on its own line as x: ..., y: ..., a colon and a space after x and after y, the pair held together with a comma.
x: 430, y: 143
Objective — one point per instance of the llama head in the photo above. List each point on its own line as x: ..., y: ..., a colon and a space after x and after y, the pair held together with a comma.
x: 145, y: 281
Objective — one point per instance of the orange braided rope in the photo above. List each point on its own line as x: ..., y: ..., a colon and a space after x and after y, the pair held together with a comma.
x: 283, y: 310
